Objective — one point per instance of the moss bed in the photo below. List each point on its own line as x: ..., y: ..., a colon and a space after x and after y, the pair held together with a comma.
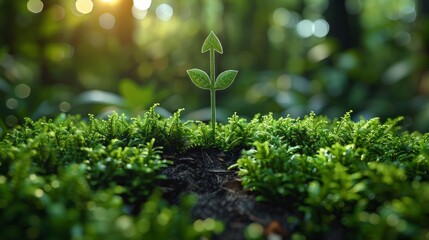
x: 161, y: 178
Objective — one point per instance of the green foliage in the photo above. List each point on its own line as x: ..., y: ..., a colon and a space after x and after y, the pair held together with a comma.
x: 133, y: 93
x: 173, y: 222
x: 64, y: 206
x: 112, y: 165
x: 71, y: 178
x: 67, y: 178
x: 202, y: 80
x: 340, y: 173
x: 237, y: 134
x: 169, y: 133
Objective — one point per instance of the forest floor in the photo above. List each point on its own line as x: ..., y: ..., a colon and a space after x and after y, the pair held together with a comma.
x: 220, y: 194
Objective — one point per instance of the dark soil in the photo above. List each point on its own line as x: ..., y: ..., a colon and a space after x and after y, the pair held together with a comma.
x: 220, y: 194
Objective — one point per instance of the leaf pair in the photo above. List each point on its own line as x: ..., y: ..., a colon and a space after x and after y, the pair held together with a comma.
x: 202, y: 80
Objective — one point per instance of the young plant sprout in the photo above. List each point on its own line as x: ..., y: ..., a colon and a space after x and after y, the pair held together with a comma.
x: 202, y: 80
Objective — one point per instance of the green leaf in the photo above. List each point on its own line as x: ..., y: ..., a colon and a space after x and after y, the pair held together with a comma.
x: 225, y: 79
x: 137, y: 96
x: 199, y: 78
x: 212, y: 43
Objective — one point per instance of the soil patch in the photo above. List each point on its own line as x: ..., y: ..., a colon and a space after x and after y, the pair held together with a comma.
x: 220, y: 194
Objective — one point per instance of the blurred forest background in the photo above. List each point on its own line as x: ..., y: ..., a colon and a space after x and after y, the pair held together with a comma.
x: 293, y: 57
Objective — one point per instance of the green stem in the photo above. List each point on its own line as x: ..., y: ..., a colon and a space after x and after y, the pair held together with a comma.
x: 213, y: 92
x: 213, y: 106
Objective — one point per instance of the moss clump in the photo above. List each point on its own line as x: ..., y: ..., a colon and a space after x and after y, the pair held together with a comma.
x: 364, y: 180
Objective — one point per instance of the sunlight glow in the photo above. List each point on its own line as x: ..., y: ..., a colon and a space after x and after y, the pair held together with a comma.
x: 142, y: 4
x: 109, y: 1
x: 84, y: 6
x: 35, y: 6
x: 164, y: 12
x: 107, y: 21
x: 138, y: 14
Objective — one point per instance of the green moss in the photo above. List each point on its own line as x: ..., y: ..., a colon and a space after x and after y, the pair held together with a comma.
x: 342, y: 174
x: 70, y: 178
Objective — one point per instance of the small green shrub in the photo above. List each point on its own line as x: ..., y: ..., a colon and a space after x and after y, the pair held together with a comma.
x: 340, y: 174
x: 67, y: 178
x: 112, y: 165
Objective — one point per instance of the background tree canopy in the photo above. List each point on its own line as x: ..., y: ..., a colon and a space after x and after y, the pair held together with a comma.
x: 293, y: 57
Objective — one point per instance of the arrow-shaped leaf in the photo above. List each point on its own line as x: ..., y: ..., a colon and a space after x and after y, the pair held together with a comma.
x: 199, y: 78
x: 225, y: 79
x: 212, y: 42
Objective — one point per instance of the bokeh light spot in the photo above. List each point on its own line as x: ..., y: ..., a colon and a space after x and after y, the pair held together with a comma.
x: 11, y: 120
x: 320, y: 28
x: 2, y: 179
x: 281, y: 16
x: 35, y: 6
x: 124, y: 222
x: 208, y: 224
x: 64, y: 106
x: 38, y: 193
x: 55, y: 184
x: 22, y: 90
x: 319, y: 52
x: 58, y: 53
x: 12, y: 103
x: 138, y: 13
x: 58, y: 12
x: 107, y: 21
x: 403, y: 38
x: 164, y: 217
x: 142, y: 4
x: 143, y: 225
x: 84, y: 6
x: 164, y: 12
x: 199, y: 225
x: 254, y: 231
x: 392, y: 220
x: 305, y: 28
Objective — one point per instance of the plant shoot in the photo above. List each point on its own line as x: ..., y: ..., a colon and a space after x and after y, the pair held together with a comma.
x: 202, y: 80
